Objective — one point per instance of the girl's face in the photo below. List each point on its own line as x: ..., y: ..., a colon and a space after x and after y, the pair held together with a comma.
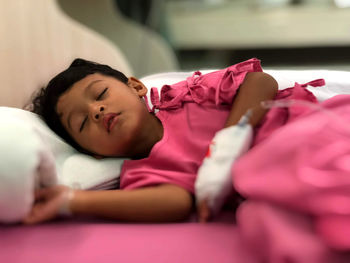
x: 104, y: 115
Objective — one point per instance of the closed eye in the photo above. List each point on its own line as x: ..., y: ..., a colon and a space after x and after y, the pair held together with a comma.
x: 82, y: 124
x: 86, y: 118
x: 101, y: 94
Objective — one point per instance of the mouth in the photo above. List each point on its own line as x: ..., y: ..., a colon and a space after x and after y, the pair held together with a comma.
x: 110, y: 120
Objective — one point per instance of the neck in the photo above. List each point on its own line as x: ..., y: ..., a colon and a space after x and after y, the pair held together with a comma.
x: 152, y: 134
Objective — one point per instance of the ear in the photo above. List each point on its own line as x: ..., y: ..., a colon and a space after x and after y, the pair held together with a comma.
x: 137, y: 86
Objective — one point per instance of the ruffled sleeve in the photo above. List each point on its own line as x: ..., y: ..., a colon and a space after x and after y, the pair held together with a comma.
x: 215, y: 88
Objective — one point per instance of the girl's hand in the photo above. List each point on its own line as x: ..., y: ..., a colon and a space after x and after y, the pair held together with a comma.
x: 203, y: 211
x: 49, y: 202
x: 214, y: 179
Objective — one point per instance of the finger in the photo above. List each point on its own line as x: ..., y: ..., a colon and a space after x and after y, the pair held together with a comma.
x: 41, y: 193
x: 41, y: 212
x: 204, y: 212
x: 27, y: 218
x: 32, y: 217
x: 37, y: 217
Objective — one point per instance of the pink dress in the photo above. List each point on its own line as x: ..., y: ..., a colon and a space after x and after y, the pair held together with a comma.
x: 191, y: 111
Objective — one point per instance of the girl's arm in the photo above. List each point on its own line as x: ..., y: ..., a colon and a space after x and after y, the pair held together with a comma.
x: 163, y: 203
x: 150, y: 204
x: 257, y: 87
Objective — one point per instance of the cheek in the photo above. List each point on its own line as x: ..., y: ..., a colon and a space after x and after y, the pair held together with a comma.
x: 88, y: 139
x: 97, y: 141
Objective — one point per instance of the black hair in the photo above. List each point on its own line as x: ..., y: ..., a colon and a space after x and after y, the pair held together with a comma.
x: 45, y: 100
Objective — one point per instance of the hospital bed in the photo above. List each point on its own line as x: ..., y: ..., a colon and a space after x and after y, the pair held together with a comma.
x: 39, y: 40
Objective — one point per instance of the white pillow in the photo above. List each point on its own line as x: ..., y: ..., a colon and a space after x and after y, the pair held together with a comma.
x: 25, y: 163
x: 74, y: 169
x: 337, y: 82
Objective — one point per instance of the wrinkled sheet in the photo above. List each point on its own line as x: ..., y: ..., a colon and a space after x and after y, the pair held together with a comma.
x: 296, y: 182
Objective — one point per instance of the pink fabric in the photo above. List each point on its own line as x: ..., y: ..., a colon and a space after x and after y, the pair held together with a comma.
x: 297, y: 185
x: 191, y: 111
x: 277, y: 117
x: 106, y: 242
x: 295, y: 178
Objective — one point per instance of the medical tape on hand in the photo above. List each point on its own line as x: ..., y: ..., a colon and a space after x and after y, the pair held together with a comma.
x: 65, y: 210
x: 214, y: 180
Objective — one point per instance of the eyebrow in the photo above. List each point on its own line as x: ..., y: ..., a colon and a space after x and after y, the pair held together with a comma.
x: 86, y: 91
x: 88, y: 87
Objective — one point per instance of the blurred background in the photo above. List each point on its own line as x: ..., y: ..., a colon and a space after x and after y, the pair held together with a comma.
x: 180, y: 35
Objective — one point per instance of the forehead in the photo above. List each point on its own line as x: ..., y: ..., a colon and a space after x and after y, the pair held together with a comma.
x: 87, y: 80
x: 75, y: 91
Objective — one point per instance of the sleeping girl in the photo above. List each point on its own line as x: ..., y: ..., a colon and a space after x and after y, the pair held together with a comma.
x: 103, y: 113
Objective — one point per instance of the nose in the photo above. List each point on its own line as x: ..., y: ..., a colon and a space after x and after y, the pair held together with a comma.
x: 97, y: 112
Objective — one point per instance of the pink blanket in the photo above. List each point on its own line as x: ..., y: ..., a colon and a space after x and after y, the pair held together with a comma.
x: 296, y: 181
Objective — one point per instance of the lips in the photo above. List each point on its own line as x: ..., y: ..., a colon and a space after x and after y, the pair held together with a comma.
x: 110, y: 120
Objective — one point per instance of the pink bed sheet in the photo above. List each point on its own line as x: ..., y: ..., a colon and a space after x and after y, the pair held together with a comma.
x: 92, y: 241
